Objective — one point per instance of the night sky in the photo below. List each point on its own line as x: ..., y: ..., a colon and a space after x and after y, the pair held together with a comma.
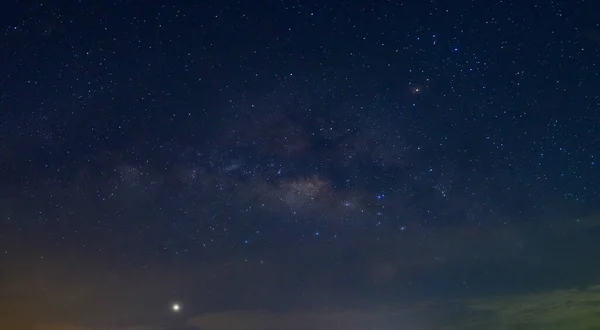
x: 294, y: 164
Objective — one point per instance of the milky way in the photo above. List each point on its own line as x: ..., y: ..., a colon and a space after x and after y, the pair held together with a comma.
x: 285, y: 164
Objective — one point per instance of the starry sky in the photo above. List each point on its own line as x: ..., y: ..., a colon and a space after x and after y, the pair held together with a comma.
x: 293, y: 164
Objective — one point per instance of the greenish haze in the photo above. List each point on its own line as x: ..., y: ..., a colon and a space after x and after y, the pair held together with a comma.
x: 567, y: 309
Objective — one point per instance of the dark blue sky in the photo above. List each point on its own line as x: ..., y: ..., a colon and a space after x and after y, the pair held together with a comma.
x: 292, y: 154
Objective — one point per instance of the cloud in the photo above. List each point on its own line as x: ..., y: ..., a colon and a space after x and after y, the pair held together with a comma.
x: 306, y: 320
x: 561, y: 309
x: 574, y: 309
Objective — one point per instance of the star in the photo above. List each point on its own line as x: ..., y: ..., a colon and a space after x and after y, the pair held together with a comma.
x: 416, y: 89
x: 176, y: 307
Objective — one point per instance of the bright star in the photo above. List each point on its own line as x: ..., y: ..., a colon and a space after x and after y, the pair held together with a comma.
x: 176, y: 307
x: 416, y: 89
